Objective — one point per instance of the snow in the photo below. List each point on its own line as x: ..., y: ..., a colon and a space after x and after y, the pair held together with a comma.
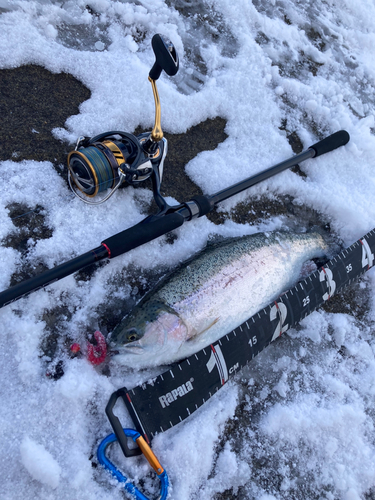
x: 306, y: 429
x: 40, y: 463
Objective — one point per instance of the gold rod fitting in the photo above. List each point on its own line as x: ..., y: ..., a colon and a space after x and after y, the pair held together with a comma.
x: 157, y: 133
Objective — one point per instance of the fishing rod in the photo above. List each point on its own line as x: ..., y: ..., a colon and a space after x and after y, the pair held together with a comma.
x: 108, y: 160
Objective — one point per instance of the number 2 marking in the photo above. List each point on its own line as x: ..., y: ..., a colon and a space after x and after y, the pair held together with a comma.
x: 279, y: 310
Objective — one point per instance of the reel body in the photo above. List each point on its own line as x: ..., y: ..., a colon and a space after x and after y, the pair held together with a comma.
x: 109, y: 160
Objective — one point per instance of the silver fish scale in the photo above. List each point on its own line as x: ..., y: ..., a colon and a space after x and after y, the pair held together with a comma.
x: 227, y: 282
x: 216, y: 259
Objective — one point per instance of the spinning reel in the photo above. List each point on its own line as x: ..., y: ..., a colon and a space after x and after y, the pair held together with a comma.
x: 111, y: 159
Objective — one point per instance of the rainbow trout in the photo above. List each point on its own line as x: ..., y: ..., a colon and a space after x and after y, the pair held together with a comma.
x: 212, y: 294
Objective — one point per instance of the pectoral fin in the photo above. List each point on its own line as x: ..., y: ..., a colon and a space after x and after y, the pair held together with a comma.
x: 200, y: 333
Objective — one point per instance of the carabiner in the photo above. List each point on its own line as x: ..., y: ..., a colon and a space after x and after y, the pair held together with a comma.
x: 149, y: 455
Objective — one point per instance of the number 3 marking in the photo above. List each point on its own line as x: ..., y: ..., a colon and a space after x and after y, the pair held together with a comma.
x: 327, y: 276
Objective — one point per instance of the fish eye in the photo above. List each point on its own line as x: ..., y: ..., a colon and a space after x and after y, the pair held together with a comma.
x: 132, y: 334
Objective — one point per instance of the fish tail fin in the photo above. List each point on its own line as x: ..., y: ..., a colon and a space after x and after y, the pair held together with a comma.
x: 332, y: 244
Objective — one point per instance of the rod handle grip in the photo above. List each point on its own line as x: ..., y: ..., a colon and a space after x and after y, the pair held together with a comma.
x: 141, y: 233
x: 331, y: 142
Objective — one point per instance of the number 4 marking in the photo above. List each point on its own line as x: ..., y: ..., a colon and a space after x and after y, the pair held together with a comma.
x: 367, y: 255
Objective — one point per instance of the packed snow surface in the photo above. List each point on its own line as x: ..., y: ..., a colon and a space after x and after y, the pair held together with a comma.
x: 305, y: 427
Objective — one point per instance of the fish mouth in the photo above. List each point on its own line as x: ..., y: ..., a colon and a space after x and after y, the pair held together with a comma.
x: 131, y: 348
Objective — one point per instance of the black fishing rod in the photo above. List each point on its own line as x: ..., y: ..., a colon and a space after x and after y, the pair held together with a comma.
x: 113, y: 158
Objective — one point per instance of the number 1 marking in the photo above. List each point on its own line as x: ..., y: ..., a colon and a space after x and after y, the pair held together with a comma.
x: 217, y: 359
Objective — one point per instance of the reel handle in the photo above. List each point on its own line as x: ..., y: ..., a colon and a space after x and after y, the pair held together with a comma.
x: 166, y: 58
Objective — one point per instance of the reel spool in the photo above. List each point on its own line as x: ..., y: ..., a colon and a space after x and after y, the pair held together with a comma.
x: 104, y: 162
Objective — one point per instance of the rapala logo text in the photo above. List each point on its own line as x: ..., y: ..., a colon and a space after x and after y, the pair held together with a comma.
x: 168, y: 398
